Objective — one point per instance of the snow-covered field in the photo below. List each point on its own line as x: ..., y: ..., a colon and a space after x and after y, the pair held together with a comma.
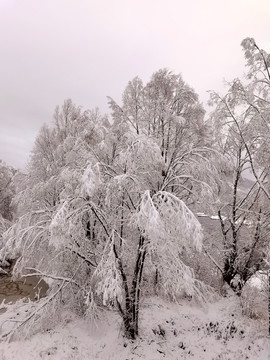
x: 167, y: 331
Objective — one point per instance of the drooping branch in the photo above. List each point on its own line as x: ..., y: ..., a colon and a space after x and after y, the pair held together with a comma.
x: 123, y: 275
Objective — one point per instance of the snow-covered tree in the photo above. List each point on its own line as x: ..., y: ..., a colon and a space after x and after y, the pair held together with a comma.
x: 163, y: 225
x: 7, y: 190
x: 168, y: 112
x: 7, y: 193
x: 60, y: 154
x: 241, y: 123
x: 106, y: 203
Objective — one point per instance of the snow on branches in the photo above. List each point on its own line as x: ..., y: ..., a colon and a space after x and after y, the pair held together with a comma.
x: 164, y: 217
x: 90, y: 179
x: 170, y: 226
x: 109, y: 281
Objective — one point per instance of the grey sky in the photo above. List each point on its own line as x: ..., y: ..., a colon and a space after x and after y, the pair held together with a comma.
x: 87, y: 49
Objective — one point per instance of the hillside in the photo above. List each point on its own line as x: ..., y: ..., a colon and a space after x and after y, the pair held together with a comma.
x: 168, y: 331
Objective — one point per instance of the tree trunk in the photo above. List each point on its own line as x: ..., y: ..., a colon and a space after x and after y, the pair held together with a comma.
x: 131, y: 314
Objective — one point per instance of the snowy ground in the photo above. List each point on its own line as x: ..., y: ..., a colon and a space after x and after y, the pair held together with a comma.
x: 168, y: 331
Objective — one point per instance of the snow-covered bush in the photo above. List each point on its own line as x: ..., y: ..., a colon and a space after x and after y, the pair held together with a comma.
x: 254, y: 297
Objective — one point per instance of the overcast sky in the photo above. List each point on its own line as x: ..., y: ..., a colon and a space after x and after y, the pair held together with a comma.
x: 51, y: 50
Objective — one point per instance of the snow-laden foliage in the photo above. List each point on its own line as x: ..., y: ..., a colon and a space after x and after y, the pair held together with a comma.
x: 58, y: 225
x: 90, y: 180
x: 164, y: 216
x: 107, y: 275
x: 170, y: 227
x: 24, y: 237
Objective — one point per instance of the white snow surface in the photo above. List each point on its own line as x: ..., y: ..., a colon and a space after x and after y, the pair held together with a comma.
x: 167, y: 331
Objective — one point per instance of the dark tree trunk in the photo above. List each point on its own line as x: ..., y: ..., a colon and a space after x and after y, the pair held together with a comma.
x: 130, y: 314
